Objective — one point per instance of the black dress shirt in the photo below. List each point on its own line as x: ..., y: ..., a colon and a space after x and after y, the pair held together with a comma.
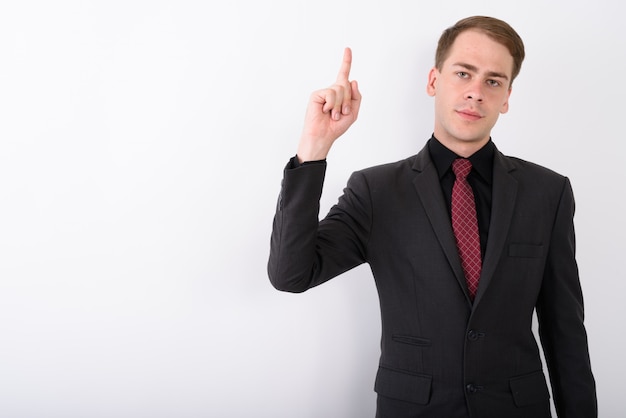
x: 480, y: 178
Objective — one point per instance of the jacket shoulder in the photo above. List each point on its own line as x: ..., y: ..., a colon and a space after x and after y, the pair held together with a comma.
x: 526, y: 171
x: 527, y: 166
x: 388, y: 169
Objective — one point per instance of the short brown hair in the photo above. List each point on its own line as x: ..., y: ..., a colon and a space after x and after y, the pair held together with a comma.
x: 496, y: 29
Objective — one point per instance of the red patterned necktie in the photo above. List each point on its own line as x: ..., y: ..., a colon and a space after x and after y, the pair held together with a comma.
x: 465, y: 224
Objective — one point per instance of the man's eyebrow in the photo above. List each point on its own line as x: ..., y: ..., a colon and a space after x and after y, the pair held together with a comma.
x: 473, y: 68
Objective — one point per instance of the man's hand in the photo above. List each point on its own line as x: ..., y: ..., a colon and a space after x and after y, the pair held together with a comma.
x: 329, y: 114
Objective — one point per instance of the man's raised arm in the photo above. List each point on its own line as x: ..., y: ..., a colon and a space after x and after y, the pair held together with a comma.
x: 296, y: 261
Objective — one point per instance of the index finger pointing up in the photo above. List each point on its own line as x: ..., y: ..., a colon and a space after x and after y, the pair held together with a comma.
x: 344, y: 71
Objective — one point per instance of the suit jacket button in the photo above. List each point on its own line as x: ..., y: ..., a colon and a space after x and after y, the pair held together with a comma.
x: 472, y: 335
x: 472, y: 388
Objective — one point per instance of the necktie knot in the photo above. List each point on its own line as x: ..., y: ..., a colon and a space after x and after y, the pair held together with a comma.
x: 461, y: 167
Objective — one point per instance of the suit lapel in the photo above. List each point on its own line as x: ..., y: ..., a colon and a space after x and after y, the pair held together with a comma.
x: 504, y: 193
x: 428, y: 189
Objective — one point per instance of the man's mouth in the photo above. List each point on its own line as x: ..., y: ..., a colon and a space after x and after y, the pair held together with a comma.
x: 469, y: 114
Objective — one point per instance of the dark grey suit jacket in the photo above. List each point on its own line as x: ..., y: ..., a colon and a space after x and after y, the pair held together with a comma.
x: 441, y: 354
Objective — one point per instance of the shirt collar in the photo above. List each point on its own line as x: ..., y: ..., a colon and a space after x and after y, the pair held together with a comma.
x: 482, y: 160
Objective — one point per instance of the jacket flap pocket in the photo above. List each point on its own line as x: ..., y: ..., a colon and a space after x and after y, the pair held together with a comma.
x: 529, y: 389
x: 403, y: 386
x: 411, y: 340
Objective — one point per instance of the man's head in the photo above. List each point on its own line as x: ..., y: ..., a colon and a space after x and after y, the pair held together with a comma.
x: 477, y: 60
x: 496, y: 29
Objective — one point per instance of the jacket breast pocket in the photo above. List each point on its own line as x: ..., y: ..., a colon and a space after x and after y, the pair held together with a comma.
x: 529, y: 389
x: 526, y: 250
x: 403, y: 386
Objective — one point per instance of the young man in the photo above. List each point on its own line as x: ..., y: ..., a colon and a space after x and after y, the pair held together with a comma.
x: 457, y: 287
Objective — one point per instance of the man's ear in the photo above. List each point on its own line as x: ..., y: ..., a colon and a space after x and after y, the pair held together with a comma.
x: 431, y: 87
x: 505, y: 105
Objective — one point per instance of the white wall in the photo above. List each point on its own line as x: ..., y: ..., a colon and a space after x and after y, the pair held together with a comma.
x: 141, y: 152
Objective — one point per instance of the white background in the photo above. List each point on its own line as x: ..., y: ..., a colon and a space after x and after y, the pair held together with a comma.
x: 141, y: 151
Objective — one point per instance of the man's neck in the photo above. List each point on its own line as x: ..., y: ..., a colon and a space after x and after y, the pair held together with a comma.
x: 463, y: 148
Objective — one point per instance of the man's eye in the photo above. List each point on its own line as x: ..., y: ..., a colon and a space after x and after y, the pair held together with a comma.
x: 462, y: 74
x: 493, y: 83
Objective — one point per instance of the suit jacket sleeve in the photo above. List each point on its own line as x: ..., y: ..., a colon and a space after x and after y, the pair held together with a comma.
x: 560, y: 315
x: 305, y: 252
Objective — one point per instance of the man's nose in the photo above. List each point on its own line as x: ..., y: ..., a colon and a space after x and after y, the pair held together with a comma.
x: 475, y: 92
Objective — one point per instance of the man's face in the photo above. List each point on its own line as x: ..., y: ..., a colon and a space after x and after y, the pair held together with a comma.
x: 471, y: 90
